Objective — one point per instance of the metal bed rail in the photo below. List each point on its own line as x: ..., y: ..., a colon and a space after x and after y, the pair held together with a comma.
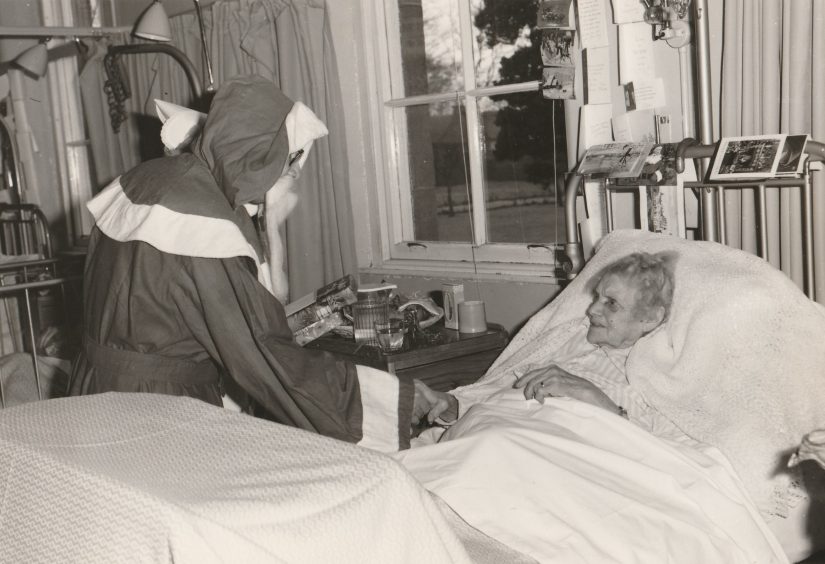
x: 24, y: 230
x: 32, y: 276
x: 574, y: 259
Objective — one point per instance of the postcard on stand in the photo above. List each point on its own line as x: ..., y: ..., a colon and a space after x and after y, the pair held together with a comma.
x: 792, y: 156
x: 756, y: 156
x: 615, y: 160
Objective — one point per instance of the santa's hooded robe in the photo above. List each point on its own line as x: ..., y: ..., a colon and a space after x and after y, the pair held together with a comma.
x: 177, y: 295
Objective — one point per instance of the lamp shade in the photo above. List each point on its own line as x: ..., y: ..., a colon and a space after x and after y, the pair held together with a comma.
x: 153, y: 24
x: 34, y: 60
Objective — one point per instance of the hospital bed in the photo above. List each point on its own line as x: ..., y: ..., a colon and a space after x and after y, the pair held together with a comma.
x: 131, y: 477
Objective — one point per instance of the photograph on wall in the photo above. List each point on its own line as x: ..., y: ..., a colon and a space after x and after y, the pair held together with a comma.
x: 629, y: 97
x: 553, y: 13
x: 756, y: 156
x: 792, y: 155
x: 557, y: 47
x: 558, y: 83
x: 615, y: 160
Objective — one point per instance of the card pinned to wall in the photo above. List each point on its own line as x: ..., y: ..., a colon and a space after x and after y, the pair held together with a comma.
x: 595, y: 126
x: 637, y: 126
x: 592, y: 23
x: 557, y: 47
x: 558, y: 83
x: 636, y: 60
x: 628, y: 11
x: 648, y: 94
x: 553, y: 13
x: 597, y: 75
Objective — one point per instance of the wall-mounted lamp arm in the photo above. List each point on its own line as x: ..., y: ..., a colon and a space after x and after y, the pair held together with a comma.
x: 188, y: 68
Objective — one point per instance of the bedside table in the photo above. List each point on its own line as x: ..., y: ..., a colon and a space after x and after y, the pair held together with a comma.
x: 450, y: 360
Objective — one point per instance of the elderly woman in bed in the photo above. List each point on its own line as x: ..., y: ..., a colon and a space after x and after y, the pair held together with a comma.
x: 632, y: 297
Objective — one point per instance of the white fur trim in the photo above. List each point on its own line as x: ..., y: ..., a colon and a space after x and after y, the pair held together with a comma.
x: 180, y: 124
x: 303, y: 127
x: 379, y: 402
x: 170, y: 231
x: 278, y: 203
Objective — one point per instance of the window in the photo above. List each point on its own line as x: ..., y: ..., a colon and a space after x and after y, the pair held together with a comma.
x: 475, y: 156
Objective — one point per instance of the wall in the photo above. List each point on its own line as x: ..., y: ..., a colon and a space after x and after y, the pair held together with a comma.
x: 510, y: 300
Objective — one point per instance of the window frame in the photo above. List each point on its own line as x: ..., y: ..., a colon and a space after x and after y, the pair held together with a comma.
x: 398, y: 247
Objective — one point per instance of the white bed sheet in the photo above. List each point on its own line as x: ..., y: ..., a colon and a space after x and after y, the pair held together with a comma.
x: 571, y: 483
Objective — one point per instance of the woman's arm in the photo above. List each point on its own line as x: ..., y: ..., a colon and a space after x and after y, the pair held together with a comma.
x: 554, y: 381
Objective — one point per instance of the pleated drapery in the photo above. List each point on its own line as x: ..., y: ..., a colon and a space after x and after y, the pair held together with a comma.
x: 773, y: 81
x: 286, y: 41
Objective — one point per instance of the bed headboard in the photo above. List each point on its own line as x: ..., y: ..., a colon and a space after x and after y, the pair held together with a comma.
x: 712, y: 205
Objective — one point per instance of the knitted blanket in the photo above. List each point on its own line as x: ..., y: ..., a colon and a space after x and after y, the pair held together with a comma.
x: 158, y: 479
x: 738, y: 365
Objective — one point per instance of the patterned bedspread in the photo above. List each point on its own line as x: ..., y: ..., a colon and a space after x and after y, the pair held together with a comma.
x: 150, y: 478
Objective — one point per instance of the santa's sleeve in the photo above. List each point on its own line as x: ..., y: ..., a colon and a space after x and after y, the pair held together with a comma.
x: 245, y: 329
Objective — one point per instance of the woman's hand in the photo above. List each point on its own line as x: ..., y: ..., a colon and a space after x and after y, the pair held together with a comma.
x: 554, y: 381
x: 433, y: 404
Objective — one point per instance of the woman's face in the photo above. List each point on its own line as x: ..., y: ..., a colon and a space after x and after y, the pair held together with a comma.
x: 613, y: 319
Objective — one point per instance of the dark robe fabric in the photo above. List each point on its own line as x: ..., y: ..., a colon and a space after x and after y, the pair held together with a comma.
x: 210, y: 314
x: 175, y: 284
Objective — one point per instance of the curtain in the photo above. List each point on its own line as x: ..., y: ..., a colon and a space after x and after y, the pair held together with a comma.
x: 773, y: 81
x: 288, y: 42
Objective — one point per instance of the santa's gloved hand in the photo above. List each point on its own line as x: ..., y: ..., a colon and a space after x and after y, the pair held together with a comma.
x: 433, y: 404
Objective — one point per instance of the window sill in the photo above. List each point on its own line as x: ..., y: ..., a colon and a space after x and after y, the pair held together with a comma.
x: 489, y: 272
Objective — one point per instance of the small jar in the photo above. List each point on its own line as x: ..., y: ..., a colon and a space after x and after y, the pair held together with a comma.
x: 373, y: 306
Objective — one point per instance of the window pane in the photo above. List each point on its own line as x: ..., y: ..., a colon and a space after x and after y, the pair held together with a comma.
x: 430, y: 47
x: 438, y: 179
x: 525, y: 161
x: 506, y: 46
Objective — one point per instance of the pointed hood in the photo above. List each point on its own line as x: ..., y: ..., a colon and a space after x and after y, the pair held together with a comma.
x: 244, y: 141
x: 238, y: 156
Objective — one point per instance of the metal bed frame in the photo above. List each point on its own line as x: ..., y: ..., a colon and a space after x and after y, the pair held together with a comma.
x: 24, y: 232
x: 573, y: 256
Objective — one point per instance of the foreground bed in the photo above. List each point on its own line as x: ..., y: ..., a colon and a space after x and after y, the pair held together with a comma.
x: 150, y: 478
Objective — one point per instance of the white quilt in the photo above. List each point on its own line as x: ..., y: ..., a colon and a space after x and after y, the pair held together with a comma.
x: 740, y: 363
x: 571, y: 483
x: 159, y: 479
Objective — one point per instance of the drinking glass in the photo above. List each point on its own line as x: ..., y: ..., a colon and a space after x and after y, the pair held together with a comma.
x: 390, y: 335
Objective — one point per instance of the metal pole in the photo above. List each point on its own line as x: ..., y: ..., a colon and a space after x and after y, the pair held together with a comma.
x: 33, y: 343
x: 808, y: 231
x: 704, y: 94
x: 211, y: 86
x: 762, y: 210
